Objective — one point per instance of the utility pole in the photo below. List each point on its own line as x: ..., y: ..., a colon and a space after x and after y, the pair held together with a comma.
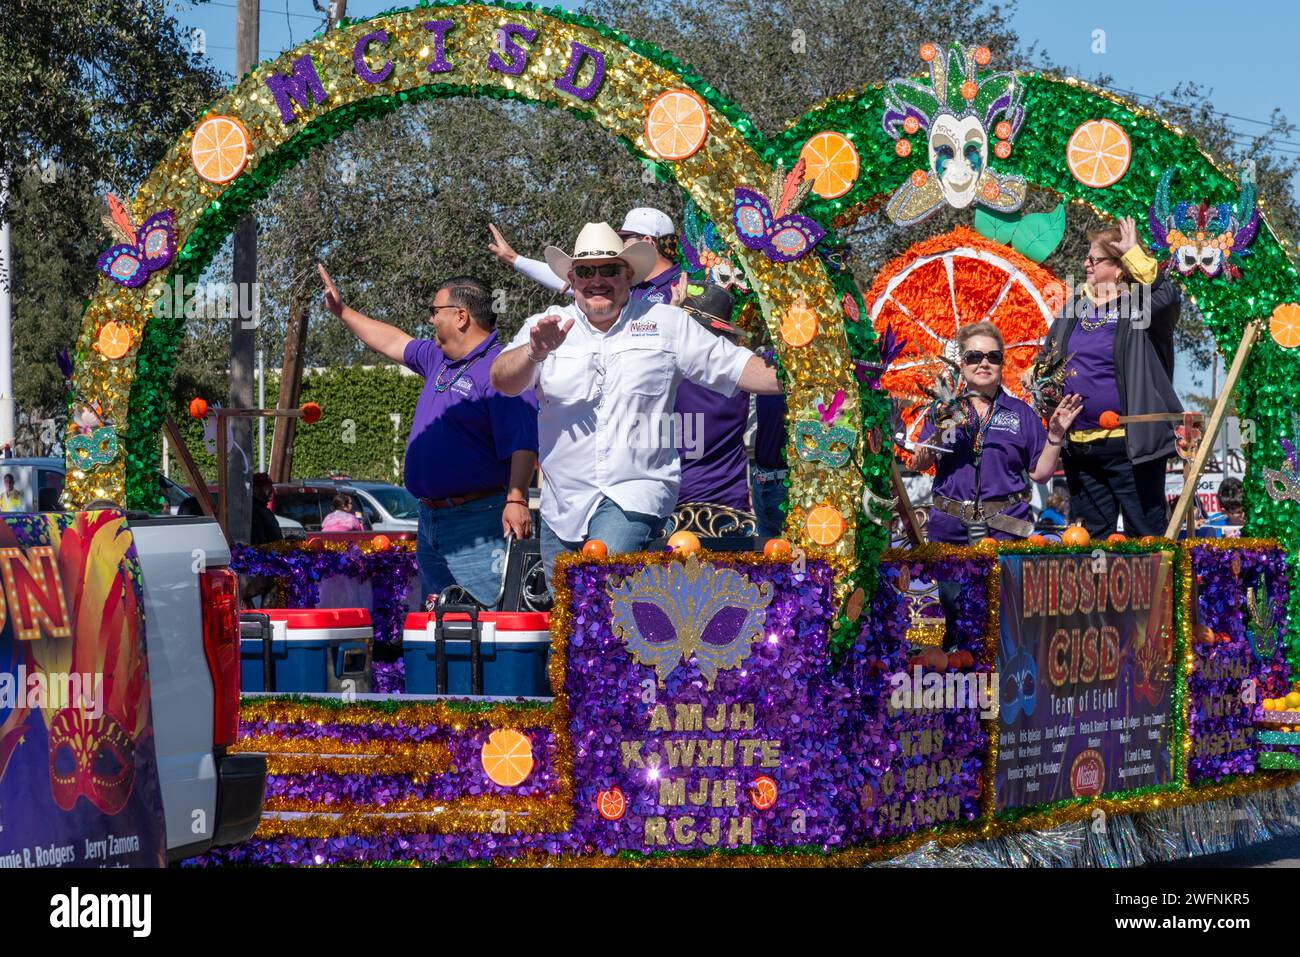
x: 237, y: 506
x: 6, y: 321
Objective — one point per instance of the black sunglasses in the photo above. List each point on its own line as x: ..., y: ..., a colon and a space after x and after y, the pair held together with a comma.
x: 1093, y: 260
x: 974, y: 357
x: 605, y: 271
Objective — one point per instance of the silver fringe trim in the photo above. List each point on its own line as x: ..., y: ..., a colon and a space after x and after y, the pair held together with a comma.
x: 1130, y: 840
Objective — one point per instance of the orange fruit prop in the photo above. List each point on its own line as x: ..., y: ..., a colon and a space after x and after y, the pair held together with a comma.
x: 507, y: 757
x: 1037, y: 540
x: 219, y: 151
x: 594, y: 548
x: 380, y: 542
x: 1076, y: 535
x: 832, y: 163
x: 916, y: 293
x: 776, y: 548
x: 198, y: 408
x: 311, y: 413
x: 1108, y: 420
x: 684, y: 543
x: 799, y: 325
x: 825, y: 525
x: 676, y: 124
x: 611, y: 804
x: 762, y: 793
x: 1098, y: 153
x: 1284, y: 326
x: 1116, y: 537
x: 114, y: 340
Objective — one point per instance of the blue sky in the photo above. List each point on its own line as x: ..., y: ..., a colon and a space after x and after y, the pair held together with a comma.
x: 1243, y: 53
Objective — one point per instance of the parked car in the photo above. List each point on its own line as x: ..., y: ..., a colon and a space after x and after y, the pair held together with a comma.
x: 39, y: 480
x: 380, y: 506
x: 177, y: 495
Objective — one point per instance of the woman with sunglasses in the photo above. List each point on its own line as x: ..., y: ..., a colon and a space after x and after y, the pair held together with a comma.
x: 983, y: 467
x: 1119, y: 343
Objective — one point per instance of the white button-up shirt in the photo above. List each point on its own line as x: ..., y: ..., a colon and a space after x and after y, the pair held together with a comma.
x: 605, y: 422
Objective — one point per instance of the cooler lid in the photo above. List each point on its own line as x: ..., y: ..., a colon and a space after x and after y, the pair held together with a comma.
x: 320, y: 617
x: 504, y: 620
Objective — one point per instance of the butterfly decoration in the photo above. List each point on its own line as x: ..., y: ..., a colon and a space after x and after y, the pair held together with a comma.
x: 1263, y: 620
x: 891, y: 346
x: 88, y: 417
x: 679, y: 612
x: 820, y: 442
x: 139, y: 252
x: 705, y: 251
x: 1047, y: 381
x: 770, y: 224
x: 1204, y: 236
x: 955, y: 111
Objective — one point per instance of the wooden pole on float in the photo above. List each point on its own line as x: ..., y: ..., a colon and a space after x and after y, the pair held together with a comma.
x: 1248, y: 337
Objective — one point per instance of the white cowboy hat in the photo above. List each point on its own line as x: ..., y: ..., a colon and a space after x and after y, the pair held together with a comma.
x: 598, y: 243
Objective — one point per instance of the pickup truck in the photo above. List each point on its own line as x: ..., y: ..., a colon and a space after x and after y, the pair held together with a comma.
x: 133, y: 744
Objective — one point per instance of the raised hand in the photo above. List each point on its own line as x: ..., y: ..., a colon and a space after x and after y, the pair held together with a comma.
x: 333, y: 300
x: 500, y: 248
x: 1128, y: 234
x: 679, y: 290
x: 546, y: 337
x: 1065, y: 414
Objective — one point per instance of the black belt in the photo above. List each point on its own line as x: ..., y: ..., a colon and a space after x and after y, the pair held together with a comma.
x: 455, y: 500
x: 992, y: 509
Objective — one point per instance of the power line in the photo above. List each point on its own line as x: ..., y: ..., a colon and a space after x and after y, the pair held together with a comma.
x: 231, y: 6
x: 1244, y: 119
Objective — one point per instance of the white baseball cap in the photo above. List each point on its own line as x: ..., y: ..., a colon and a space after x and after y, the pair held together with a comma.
x: 644, y: 221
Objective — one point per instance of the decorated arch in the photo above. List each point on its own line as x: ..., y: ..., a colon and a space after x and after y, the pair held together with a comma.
x: 884, y: 150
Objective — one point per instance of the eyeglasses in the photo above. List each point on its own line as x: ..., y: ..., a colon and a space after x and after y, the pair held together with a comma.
x: 449, y: 306
x: 975, y: 357
x: 606, y: 271
x: 1094, y: 260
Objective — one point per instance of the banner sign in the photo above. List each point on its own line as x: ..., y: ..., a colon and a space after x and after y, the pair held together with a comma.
x: 78, y: 774
x: 1084, y: 663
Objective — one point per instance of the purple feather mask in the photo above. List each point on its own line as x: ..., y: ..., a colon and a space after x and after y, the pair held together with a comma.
x: 770, y: 224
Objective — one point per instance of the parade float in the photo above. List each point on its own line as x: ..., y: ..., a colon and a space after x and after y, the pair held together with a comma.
x: 1110, y: 703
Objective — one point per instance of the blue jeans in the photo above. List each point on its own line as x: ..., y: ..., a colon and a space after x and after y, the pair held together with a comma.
x: 620, y: 531
x: 768, y: 498
x: 463, y: 545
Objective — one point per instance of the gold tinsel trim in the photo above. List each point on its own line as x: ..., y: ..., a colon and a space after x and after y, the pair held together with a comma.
x: 361, y: 824
x: 479, y: 804
x: 429, y: 752
x: 417, y: 767
x: 421, y: 713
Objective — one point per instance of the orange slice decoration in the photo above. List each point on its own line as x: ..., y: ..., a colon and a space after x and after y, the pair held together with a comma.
x: 219, y: 151
x: 1098, y: 153
x: 763, y: 792
x: 832, y: 163
x: 825, y: 525
x: 114, y: 340
x: 799, y: 325
x: 676, y: 124
x: 507, y: 757
x: 1284, y: 326
x: 611, y: 804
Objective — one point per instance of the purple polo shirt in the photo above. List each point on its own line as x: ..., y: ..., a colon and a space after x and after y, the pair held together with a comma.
x: 1012, y: 445
x: 717, y: 429
x: 769, y: 438
x: 1093, y: 371
x: 462, y: 438
x: 658, y: 288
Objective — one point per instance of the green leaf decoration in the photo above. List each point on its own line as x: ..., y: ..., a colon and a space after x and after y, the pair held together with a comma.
x: 1033, y: 235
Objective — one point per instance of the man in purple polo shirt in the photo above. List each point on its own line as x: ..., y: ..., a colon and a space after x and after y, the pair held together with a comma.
x: 472, y: 450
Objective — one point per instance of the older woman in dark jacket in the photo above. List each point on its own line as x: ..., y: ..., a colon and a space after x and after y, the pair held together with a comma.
x: 1120, y: 348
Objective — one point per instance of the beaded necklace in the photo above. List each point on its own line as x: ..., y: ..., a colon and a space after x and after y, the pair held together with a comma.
x: 1098, y: 321
x: 437, y: 382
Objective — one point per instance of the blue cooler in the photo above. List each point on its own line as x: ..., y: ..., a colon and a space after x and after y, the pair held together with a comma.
x: 513, y: 647
x: 312, y: 650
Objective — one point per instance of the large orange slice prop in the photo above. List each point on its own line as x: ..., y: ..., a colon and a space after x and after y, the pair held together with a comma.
x: 677, y: 124
x: 507, y: 757
x: 1098, y: 153
x: 219, y: 151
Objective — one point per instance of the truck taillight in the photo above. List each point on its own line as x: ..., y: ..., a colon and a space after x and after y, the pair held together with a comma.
x: 219, y: 588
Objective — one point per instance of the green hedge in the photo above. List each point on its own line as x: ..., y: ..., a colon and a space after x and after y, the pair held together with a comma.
x: 355, y: 435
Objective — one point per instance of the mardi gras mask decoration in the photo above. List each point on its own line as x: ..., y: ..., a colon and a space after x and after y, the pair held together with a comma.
x: 91, y: 758
x: 819, y: 442
x: 1148, y: 667
x: 770, y: 223
x: 97, y: 448
x: 948, y: 407
x: 689, y: 612
x: 1263, y: 622
x: 956, y: 110
x: 1047, y: 386
x: 1019, y: 691
x: 1202, y: 236
x: 704, y: 250
x: 139, y: 252
x: 891, y: 346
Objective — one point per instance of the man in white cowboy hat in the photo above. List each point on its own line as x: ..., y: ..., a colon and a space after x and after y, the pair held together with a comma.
x: 663, y: 284
x: 604, y: 360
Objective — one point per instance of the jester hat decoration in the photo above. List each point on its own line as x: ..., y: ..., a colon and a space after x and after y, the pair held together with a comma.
x: 956, y: 110
x: 1204, y: 236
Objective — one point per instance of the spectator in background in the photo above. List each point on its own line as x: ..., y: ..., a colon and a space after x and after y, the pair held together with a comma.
x: 11, y: 500
x: 342, y: 518
x: 265, y: 528
x: 1054, y: 512
x: 1231, y: 513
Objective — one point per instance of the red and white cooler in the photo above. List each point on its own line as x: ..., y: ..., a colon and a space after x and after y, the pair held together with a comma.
x: 310, y: 650
x: 513, y: 649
